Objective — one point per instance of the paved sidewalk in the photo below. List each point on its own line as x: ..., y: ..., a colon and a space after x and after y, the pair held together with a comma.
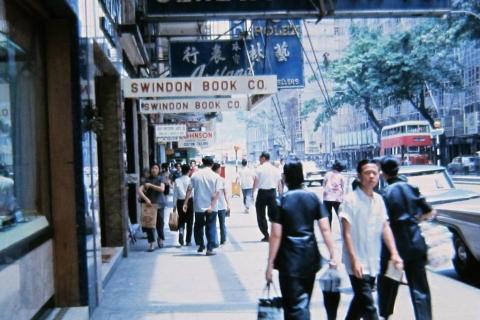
x: 178, y: 283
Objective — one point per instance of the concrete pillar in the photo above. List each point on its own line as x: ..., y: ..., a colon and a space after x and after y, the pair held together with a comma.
x: 113, y: 187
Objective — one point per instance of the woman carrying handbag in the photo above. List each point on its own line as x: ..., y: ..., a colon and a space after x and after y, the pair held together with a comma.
x: 293, y: 249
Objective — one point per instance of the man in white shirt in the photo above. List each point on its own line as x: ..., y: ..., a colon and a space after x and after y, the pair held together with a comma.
x: 245, y: 178
x: 206, y: 186
x: 364, y: 221
x: 267, y: 181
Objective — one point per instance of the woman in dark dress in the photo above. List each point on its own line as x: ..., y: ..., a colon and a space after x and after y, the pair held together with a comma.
x: 293, y: 249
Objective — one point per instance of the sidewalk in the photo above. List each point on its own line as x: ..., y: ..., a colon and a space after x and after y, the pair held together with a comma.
x: 178, y: 283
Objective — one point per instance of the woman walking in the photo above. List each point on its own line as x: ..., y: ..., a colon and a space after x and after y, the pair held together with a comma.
x: 223, y: 205
x: 151, y: 193
x: 333, y: 189
x: 185, y: 217
x: 293, y: 249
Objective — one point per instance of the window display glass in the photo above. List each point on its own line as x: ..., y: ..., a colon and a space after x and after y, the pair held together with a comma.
x: 19, y: 101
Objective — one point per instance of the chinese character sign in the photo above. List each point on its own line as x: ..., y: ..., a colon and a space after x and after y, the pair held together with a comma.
x: 273, y: 49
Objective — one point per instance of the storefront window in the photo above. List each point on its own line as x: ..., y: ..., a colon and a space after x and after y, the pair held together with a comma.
x: 19, y: 101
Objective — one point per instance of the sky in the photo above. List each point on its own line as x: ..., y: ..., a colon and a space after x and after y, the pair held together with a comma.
x: 229, y: 132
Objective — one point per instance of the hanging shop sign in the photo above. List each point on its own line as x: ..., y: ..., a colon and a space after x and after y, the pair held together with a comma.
x: 199, y: 139
x: 282, y: 9
x: 170, y: 131
x: 202, y: 86
x: 194, y: 105
x: 275, y: 48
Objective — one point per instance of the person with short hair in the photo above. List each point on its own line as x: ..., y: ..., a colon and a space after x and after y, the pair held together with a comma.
x: 293, y: 248
x: 246, y: 178
x: 267, y: 181
x: 406, y: 208
x: 185, y: 218
x: 206, y: 185
x: 223, y: 205
x: 364, y: 222
x: 151, y: 192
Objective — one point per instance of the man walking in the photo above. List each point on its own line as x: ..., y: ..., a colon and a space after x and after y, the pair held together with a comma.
x: 406, y: 207
x: 206, y: 186
x: 267, y: 181
x: 364, y: 221
x: 245, y: 178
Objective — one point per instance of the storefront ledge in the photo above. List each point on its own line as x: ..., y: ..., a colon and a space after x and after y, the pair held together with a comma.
x: 111, y: 258
x: 74, y: 313
x: 22, y: 239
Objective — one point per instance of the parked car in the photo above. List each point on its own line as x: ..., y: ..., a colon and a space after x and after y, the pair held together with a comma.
x: 315, y: 178
x: 457, y: 209
x: 464, y: 164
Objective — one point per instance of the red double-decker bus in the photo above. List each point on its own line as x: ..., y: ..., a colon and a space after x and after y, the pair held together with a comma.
x: 409, y: 141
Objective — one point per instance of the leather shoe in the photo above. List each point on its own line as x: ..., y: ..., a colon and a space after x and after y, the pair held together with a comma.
x: 210, y: 253
x: 201, y: 248
x: 264, y: 239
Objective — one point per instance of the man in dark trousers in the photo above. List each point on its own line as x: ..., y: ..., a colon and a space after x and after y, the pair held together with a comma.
x: 406, y: 207
x: 267, y: 181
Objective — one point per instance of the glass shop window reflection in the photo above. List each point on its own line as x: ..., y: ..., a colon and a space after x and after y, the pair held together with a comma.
x: 18, y: 146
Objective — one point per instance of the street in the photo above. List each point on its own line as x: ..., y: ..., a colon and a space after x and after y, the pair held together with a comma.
x: 178, y: 283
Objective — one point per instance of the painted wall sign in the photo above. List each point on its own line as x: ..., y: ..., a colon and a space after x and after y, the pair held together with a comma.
x: 194, y: 105
x: 273, y: 49
x: 194, y: 87
x: 255, y: 9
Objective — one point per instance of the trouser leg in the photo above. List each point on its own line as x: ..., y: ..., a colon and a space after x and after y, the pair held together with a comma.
x: 260, y: 207
x: 211, y: 229
x: 199, y: 227
x: 386, y: 288
x: 181, y: 220
x: 329, y: 206
x: 272, y: 204
x: 189, y: 221
x: 160, y: 223
x: 331, y: 301
x: 296, y: 293
x: 362, y: 305
x: 150, y: 234
x: 419, y: 289
x: 221, y: 222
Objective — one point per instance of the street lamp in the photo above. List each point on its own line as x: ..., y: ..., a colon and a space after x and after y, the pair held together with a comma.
x: 236, y: 148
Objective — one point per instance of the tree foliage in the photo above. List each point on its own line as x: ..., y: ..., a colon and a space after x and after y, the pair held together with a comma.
x: 379, y: 69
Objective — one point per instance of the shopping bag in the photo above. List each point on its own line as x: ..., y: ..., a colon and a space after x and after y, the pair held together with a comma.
x: 236, y: 189
x: 173, y: 221
x: 334, y: 279
x: 439, y: 242
x: 148, y: 217
x: 270, y: 308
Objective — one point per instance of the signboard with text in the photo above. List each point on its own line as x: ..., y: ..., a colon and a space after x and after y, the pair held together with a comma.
x: 195, y: 87
x: 165, y: 131
x: 199, y: 139
x: 206, y: 105
x: 281, y: 9
x: 274, y: 48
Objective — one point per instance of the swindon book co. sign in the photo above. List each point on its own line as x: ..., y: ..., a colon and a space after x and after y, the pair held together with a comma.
x: 198, y: 87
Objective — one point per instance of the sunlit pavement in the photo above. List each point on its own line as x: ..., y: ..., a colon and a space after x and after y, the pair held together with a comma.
x: 179, y: 283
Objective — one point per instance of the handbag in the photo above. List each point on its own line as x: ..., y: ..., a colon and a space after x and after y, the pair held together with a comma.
x: 148, y: 217
x: 173, y: 221
x: 270, y: 308
x: 235, y: 189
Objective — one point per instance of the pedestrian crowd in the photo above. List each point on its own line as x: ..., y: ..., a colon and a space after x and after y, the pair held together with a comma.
x: 380, y: 228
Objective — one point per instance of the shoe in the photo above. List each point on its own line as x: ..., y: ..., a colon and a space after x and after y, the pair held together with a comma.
x: 150, y: 248
x: 201, y: 248
x: 188, y: 244
x: 222, y: 242
x: 216, y: 245
x: 160, y: 243
x: 210, y: 253
x: 264, y: 239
